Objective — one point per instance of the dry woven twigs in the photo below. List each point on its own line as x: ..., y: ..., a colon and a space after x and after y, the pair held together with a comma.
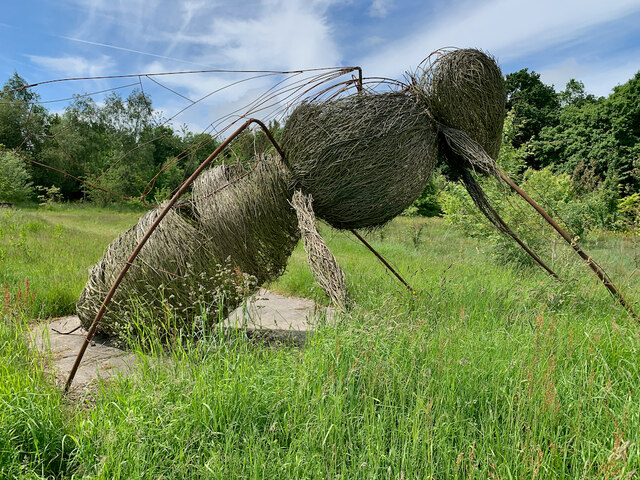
x: 206, y: 256
x: 464, y: 89
x: 363, y: 159
x: 250, y: 221
x: 324, y: 265
x: 465, y: 154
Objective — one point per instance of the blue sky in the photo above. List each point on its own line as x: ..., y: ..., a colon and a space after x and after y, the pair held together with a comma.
x: 596, y: 42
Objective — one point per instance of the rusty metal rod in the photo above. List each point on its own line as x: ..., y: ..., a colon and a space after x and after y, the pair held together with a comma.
x: 531, y: 253
x: 600, y: 273
x: 381, y: 258
x: 183, y: 188
x: 360, y: 86
x: 501, y: 224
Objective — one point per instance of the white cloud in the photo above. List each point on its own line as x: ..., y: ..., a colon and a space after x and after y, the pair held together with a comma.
x: 224, y: 98
x: 190, y: 10
x: 380, y: 8
x: 75, y: 65
x: 276, y: 34
x: 295, y: 34
x: 131, y: 50
x: 279, y: 35
x: 598, y: 79
x: 195, y: 86
x: 99, y: 15
x: 507, y: 28
x: 167, y: 36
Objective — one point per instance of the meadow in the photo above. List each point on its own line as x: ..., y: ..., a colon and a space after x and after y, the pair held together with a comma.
x: 488, y: 370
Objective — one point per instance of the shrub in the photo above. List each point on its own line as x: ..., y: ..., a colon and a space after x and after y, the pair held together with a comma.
x: 578, y: 214
x: 630, y: 212
x: 428, y: 204
x: 48, y: 196
x: 15, y: 181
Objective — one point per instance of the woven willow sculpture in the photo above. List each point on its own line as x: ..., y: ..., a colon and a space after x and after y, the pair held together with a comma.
x: 355, y: 162
x: 363, y: 159
x: 210, y: 252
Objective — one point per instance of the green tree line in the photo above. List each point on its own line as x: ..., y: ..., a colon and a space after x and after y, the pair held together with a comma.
x: 121, y: 146
x: 592, y: 139
x: 586, y: 146
x: 578, y: 155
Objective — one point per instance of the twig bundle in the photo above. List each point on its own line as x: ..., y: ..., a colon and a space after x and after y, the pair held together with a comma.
x: 210, y: 252
x: 363, y: 159
x: 251, y: 220
x: 324, y: 265
x: 464, y: 89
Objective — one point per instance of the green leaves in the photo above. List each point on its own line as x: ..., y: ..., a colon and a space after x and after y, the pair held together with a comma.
x: 535, y: 105
x: 592, y: 139
x: 15, y: 181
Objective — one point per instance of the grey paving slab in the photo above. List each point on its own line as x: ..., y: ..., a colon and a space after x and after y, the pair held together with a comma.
x: 276, y: 317
x: 266, y: 315
x: 60, y: 351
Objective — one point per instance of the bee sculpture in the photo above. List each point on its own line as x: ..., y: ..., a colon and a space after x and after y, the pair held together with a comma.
x: 354, y: 162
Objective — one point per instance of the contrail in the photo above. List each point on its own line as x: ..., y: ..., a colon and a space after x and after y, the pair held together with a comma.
x: 130, y: 50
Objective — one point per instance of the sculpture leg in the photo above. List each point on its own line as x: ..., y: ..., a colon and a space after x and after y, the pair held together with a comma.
x: 324, y: 265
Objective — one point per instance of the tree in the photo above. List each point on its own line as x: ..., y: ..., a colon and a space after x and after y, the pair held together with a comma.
x: 596, y: 139
x: 574, y: 94
x: 112, y: 146
x: 623, y: 107
x: 15, y: 182
x: 534, y: 105
x: 74, y: 146
x: 22, y: 122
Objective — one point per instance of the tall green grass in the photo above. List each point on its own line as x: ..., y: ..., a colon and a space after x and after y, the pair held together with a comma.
x: 34, y: 437
x: 488, y: 371
x: 51, y: 251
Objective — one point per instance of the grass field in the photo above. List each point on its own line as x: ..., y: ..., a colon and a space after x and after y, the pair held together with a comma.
x: 488, y: 371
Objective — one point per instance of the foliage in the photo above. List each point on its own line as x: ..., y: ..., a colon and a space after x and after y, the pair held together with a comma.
x: 120, y: 146
x: 630, y: 212
x: 21, y: 122
x: 49, y: 196
x: 428, y: 203
x: 535, y: 105
x: 488, y: 371
x: 591, y: 139
x: 574, y: 94
x: 15, y: 181
x: 589, y: 148
x: 579, y: 214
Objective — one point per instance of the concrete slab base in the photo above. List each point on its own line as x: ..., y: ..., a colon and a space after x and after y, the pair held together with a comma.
x: 265, y: 316
x: 101, y: 360
x: 274, y: 317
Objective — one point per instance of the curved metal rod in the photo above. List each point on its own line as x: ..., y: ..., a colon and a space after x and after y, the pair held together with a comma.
x: 382, y: 259
x: 185, y: 185
x: 600, y: 273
